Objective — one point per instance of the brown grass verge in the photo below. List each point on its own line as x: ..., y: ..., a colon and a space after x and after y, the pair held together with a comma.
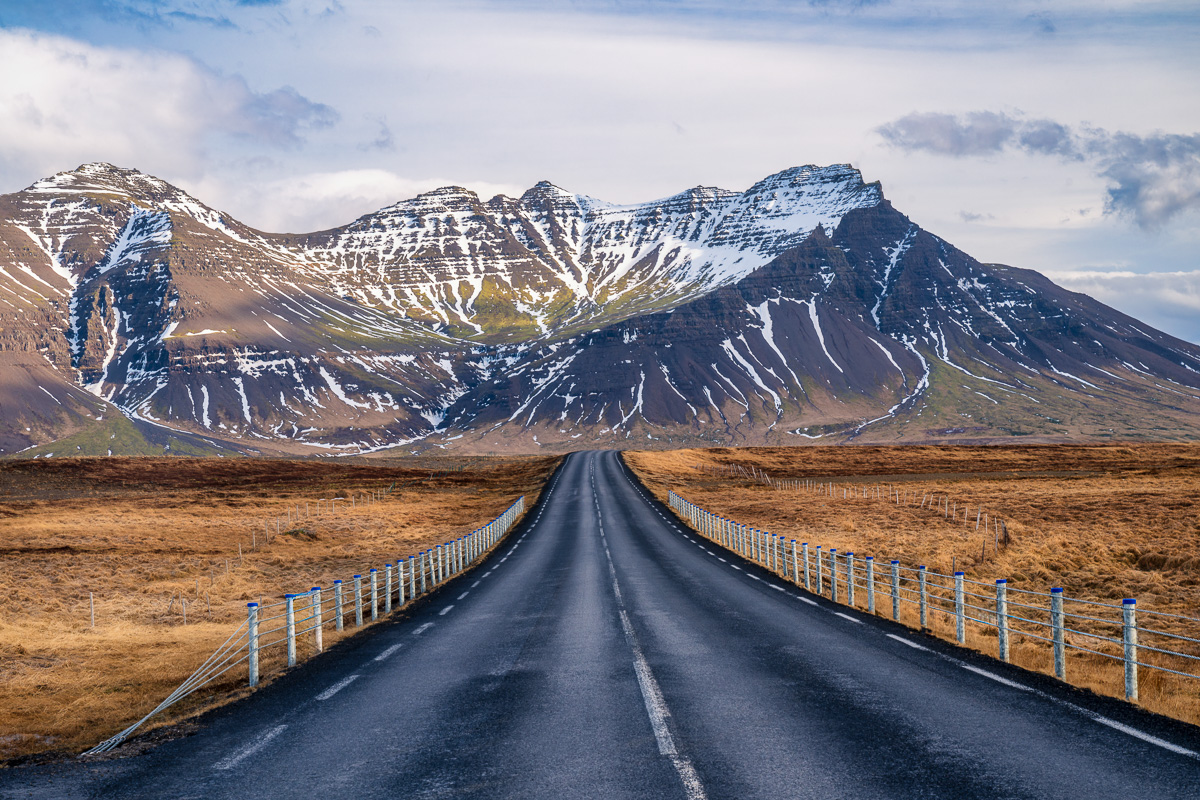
x: 145, y: 534
x: 1104, y: 522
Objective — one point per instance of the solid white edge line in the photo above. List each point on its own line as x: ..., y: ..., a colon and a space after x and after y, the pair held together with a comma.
x: 997, y: 678
x: 258, y: 744
x: 848, y: 617
x: 337, y: 687
x: 810, y: 602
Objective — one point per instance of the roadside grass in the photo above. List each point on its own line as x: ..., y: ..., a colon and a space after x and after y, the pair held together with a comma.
x: 1103, y: 522
x: 144, y: 535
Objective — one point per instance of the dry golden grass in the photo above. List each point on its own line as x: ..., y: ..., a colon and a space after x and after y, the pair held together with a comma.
x: 145, y: 534
x: 1104, y: 522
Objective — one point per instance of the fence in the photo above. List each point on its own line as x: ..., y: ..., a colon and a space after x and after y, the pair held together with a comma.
x: 281, y: 624
x: 1104, y: 630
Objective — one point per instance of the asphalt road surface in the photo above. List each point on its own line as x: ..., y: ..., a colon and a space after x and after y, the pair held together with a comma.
x: 605, y: 652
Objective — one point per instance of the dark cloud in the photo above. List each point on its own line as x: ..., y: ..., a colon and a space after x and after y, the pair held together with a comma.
x: 971, y: 216
x: 384, y: 141
x: 281, y: 117
x: 978, y: 133
x: 1152, y: 179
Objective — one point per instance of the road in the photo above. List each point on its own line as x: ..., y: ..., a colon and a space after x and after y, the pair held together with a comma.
x: 605, y: 652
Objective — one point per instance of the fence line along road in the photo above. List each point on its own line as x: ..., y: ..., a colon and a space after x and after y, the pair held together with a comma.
x: 855, y: 580
x: 310, y: 612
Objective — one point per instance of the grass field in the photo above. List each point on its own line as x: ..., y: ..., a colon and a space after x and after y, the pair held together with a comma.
x: 1104, y: 522
x: 146, y: 535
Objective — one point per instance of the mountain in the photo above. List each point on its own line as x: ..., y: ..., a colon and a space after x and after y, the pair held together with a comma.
x: 805, y: 308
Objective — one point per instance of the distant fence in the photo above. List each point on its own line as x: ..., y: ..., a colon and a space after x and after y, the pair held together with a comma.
x: 1105, y: 630
x: 281, y: 624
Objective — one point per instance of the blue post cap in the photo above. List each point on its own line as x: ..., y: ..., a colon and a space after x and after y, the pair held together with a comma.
x: 804, y: 543
x: 1056, y: 590
x: 1129, y: 601
x: 374, y: 570
x: 922, y: 566
x: 1000, y: 581
x: 315, y: 589
x: 870, y: 558
x: 289, y: 597
x: 251, y: 605
x: 358, y: 576
x: 849, y: 554
x: 833, y: 549
x: 336, y: 583
x: 895, y: 561
x: 957, y: 574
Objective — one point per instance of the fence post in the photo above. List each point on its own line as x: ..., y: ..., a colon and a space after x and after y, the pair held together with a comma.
x: 1129, y: 628
x: 337, y: 604
x: 290, y: 601
x: 870, y: 584
x: 399, y: 582
x: 895, y: 590
x: 850, y: 579
x: 387, y: 588
x: 374, y: 594
x: 412, y: 577
x: 358, y: 615
x: 252, y: 637
x: 833, y: 592
x: 1002, y: 616
x: 960, y: 623
x: 795, y: 563
x: 315, y: 605
x: 820, y: 569
x: 421, y: 559
x: 1060, y: 639
x: 924, y: 597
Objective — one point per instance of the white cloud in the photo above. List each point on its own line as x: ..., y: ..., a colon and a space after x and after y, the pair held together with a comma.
x: 1170, y: 300
x: 319, y: 200
x: 65, y: 102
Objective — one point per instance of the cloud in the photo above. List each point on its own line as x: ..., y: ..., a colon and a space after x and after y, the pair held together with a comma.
x: 1171, y: 300
x: 317, y: 200
x: 971, y: 216
x: 1151, y: 179
x: 67, y: 102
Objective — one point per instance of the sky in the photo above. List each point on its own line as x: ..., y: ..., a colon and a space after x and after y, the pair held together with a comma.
x: 1058, y: 136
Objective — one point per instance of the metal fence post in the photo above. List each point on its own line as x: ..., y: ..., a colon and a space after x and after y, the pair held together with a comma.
x: 1002, y: 616
x: 337, y: 604
x: 795, y: 563
x: 833, y: 588
x: 960, y: 624
x: 399, y: 582
x: 850, y: 579
x: 358, y: 615
x: 820, y: 569
x: 924, y: 597
x: 412, y: 577
x: 374, y: 594
x: 1129, y: 628
x: 870, y: 584
x: 318, y: 634
x: 421, y: 558
x: 804, y: 549
x: 387, y: 588
x: 1060, y: 639
x: 290, y: 601
x: 896, y: 590
x: 252, y: 637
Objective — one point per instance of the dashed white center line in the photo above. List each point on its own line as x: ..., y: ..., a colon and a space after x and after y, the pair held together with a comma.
x: 254, y: 747
x: 445, y: 610
x: 476, y: 583
x: 902, y: 640
x: 422, y: 629
x: 780, y: 589
x: 386, y: 654
x: 996, y: 678
x: 464, y: 594
x: 814, y: 602
x: 337, y: 687
x: 848, y: 618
